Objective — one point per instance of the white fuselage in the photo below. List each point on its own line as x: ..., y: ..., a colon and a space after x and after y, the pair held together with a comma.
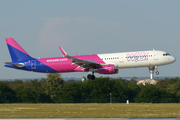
x: 137, y: 59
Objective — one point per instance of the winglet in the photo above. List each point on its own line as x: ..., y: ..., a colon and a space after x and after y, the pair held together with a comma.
x: 63, y: 52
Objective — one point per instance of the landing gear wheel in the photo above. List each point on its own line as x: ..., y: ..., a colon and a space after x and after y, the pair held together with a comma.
x: 157, y: 73
x: 92, y: 77
x: 89, y: 76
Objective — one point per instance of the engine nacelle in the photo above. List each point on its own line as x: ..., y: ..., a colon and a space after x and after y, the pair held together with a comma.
x: 107, y: 69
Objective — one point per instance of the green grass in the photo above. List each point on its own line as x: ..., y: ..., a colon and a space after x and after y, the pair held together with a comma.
x: 131, y: 110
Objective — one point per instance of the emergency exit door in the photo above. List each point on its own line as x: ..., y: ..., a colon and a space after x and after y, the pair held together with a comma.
x: 33, y: 64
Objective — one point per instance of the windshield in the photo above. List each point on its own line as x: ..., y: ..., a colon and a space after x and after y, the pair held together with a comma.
x: 166, y: 54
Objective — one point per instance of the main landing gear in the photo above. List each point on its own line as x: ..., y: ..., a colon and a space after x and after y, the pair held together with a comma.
x: 91, y: 77
x: 151, y: 71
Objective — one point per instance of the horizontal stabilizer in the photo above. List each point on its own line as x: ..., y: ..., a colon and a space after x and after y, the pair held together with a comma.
x: 16, y: 64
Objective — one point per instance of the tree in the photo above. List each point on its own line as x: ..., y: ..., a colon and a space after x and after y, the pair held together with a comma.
x: 6, y: 93
x: 54, y: 84
x: 151, y: 93
x: 26, y: 95
x: 29, y: 95
x: 133, y: 89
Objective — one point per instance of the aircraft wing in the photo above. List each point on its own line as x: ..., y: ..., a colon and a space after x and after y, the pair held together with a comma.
x: 82, y: 63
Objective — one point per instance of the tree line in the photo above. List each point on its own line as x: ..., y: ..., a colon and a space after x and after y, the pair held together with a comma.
x: 54, y: 89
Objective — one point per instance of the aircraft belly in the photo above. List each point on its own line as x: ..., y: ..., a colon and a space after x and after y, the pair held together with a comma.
x: 133, y: 64
x: 65, y: 68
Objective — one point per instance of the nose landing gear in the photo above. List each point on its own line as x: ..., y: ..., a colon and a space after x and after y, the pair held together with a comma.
x: 157, y: 72
x: 151, y: 71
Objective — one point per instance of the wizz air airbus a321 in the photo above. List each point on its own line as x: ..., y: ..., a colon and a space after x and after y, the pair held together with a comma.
x: 97, y: 63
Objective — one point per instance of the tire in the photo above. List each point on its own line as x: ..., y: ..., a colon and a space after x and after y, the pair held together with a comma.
x: 89, y: 76
x: 92, y: 77
x: 157, y: 73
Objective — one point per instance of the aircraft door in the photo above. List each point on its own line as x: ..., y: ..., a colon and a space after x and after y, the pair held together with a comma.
x: 33, y: 64
x: 121, y: 58
x: 155, y: 55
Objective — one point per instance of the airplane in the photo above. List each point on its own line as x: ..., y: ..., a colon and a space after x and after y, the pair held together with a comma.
x: 95, y: 63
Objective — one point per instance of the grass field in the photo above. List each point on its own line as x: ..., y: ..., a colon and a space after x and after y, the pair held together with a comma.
x: 131, y: 110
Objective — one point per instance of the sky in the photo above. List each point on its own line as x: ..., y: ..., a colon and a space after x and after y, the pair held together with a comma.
x: 90, y: 27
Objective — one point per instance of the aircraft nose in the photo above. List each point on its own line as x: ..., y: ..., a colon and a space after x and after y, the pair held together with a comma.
x: 173, y: 59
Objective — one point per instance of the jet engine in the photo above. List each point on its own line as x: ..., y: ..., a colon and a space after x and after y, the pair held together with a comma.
x: 107, y: 69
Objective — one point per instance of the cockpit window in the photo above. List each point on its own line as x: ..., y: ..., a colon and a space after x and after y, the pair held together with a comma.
x: 166, y: 54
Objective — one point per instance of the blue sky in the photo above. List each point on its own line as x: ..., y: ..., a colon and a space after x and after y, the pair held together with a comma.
x: 90, y: 27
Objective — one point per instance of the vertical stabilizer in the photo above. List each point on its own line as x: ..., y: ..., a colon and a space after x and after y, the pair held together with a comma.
x: 16, y: 51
